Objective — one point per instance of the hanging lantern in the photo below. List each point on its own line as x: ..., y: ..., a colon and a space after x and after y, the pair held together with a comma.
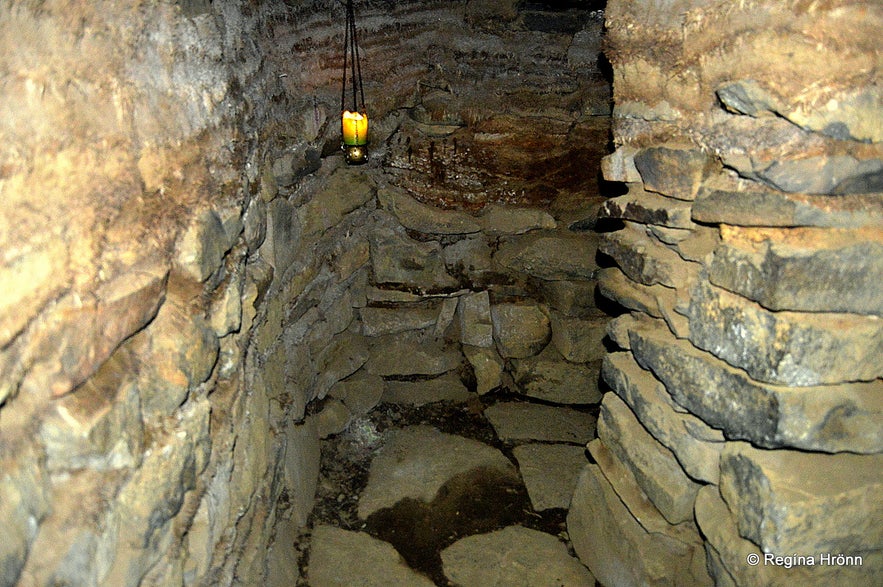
x: 354, y: 121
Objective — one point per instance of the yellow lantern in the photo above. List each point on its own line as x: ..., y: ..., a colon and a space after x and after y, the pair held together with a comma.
x: 354, y: 121
x: 355, y: 128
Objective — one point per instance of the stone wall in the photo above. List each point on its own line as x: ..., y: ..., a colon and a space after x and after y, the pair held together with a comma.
x: 188, y: 271
x: 744, y: 421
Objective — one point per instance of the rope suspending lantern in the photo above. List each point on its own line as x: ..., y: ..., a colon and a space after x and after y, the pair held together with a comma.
x: 354, y: 122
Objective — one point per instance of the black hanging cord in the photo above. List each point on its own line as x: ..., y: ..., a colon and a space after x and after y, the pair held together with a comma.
x: 352, y: 61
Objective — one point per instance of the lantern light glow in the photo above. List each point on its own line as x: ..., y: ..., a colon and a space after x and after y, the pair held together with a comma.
x: 355, y: 128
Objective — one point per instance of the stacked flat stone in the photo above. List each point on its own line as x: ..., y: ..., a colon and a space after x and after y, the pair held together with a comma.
x: 743, y: 429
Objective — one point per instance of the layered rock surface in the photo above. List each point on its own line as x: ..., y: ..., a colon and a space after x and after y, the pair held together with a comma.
x: 747, y: 388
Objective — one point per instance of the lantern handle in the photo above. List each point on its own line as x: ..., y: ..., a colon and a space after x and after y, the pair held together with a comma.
x: 351, y: 48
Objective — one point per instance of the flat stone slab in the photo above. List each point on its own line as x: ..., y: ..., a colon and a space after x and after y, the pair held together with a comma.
x: 487, y: 365
x: 746, y: 203
x: 513, y: 557
x: 497, y: 219
x: 579, y: 340
x: 448, y: 387
x: 551, y: 256
x: 772, y: 346
x: 728, y: 551
x: 807, y: 503
x: 423, y: 357
x: 656, y: 470
x: 643, y: 258
x: 342, y: 558
x: 674, y: 171
x: 381, y: 321
x: 648, y: 208
x: 416, y: 461
x: 696, y: 445
x: 802, y: 269
x: 550, y: 378
x: 620, y: 550
x: 525, y: 421
x: 825, y: 418
x: 520, y: 330
x: 550, y: 472
x: 426, y: 219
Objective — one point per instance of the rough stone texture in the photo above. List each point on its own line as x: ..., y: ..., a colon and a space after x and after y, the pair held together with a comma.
x: 398, y: 260
x: 359, y: 392
x: 620, y: 165
x: 743, y: 203
x: 513, y: 556
x: 696, y: 446
x: 184, y: 251
x: 643, y: 259
x: 655, y: 468
x: 578, y: 340
x: 425, y: 357
x: 549, y: 377
x: 416, y: 461
x: 383, y: 321
x: 445, y: 388
x: 786, y: 348
x: 802, y: 269
x: 498, y: 220
x: 334, y: 550
x: 728, y: 553
x: 487, y: 367
x: 551, y: 257
x: 520, y: 330
x: 824, y: 418
x: 426, y: 219
x: 795, y: 502
x: 522, y: 421
x: 621, y: 551
x: 761, y: 320
x: 550, y: 472
x: 476, y: 326
x: 647, y: 208
x: 673, y: 171
x: 573, y: 298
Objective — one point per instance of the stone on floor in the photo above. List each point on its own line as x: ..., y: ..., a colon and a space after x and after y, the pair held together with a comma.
x: 448, y: 387
x: 416, y: 461
x: 550, y: 472
x: 342, y: 558
x: 513, y: 557
x: 525, y: 421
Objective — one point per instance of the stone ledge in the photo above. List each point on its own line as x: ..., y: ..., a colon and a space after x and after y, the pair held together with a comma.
x: 789, y: 348
x: 696, y: 446
x: 657, y: 301
x: 728, y: 553
x: 826, y: 418
x: 752, y: 204
x: 619, y: 550
x: 643, y: 259
x: 648, y: 208
x: 656, y: 470
x: 804, y: 269
x: 804, y: 503
x: 673, y: 171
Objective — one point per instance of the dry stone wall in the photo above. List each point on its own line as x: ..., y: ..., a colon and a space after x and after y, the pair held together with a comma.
x: 193, y: 289
x: 741, y: 442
